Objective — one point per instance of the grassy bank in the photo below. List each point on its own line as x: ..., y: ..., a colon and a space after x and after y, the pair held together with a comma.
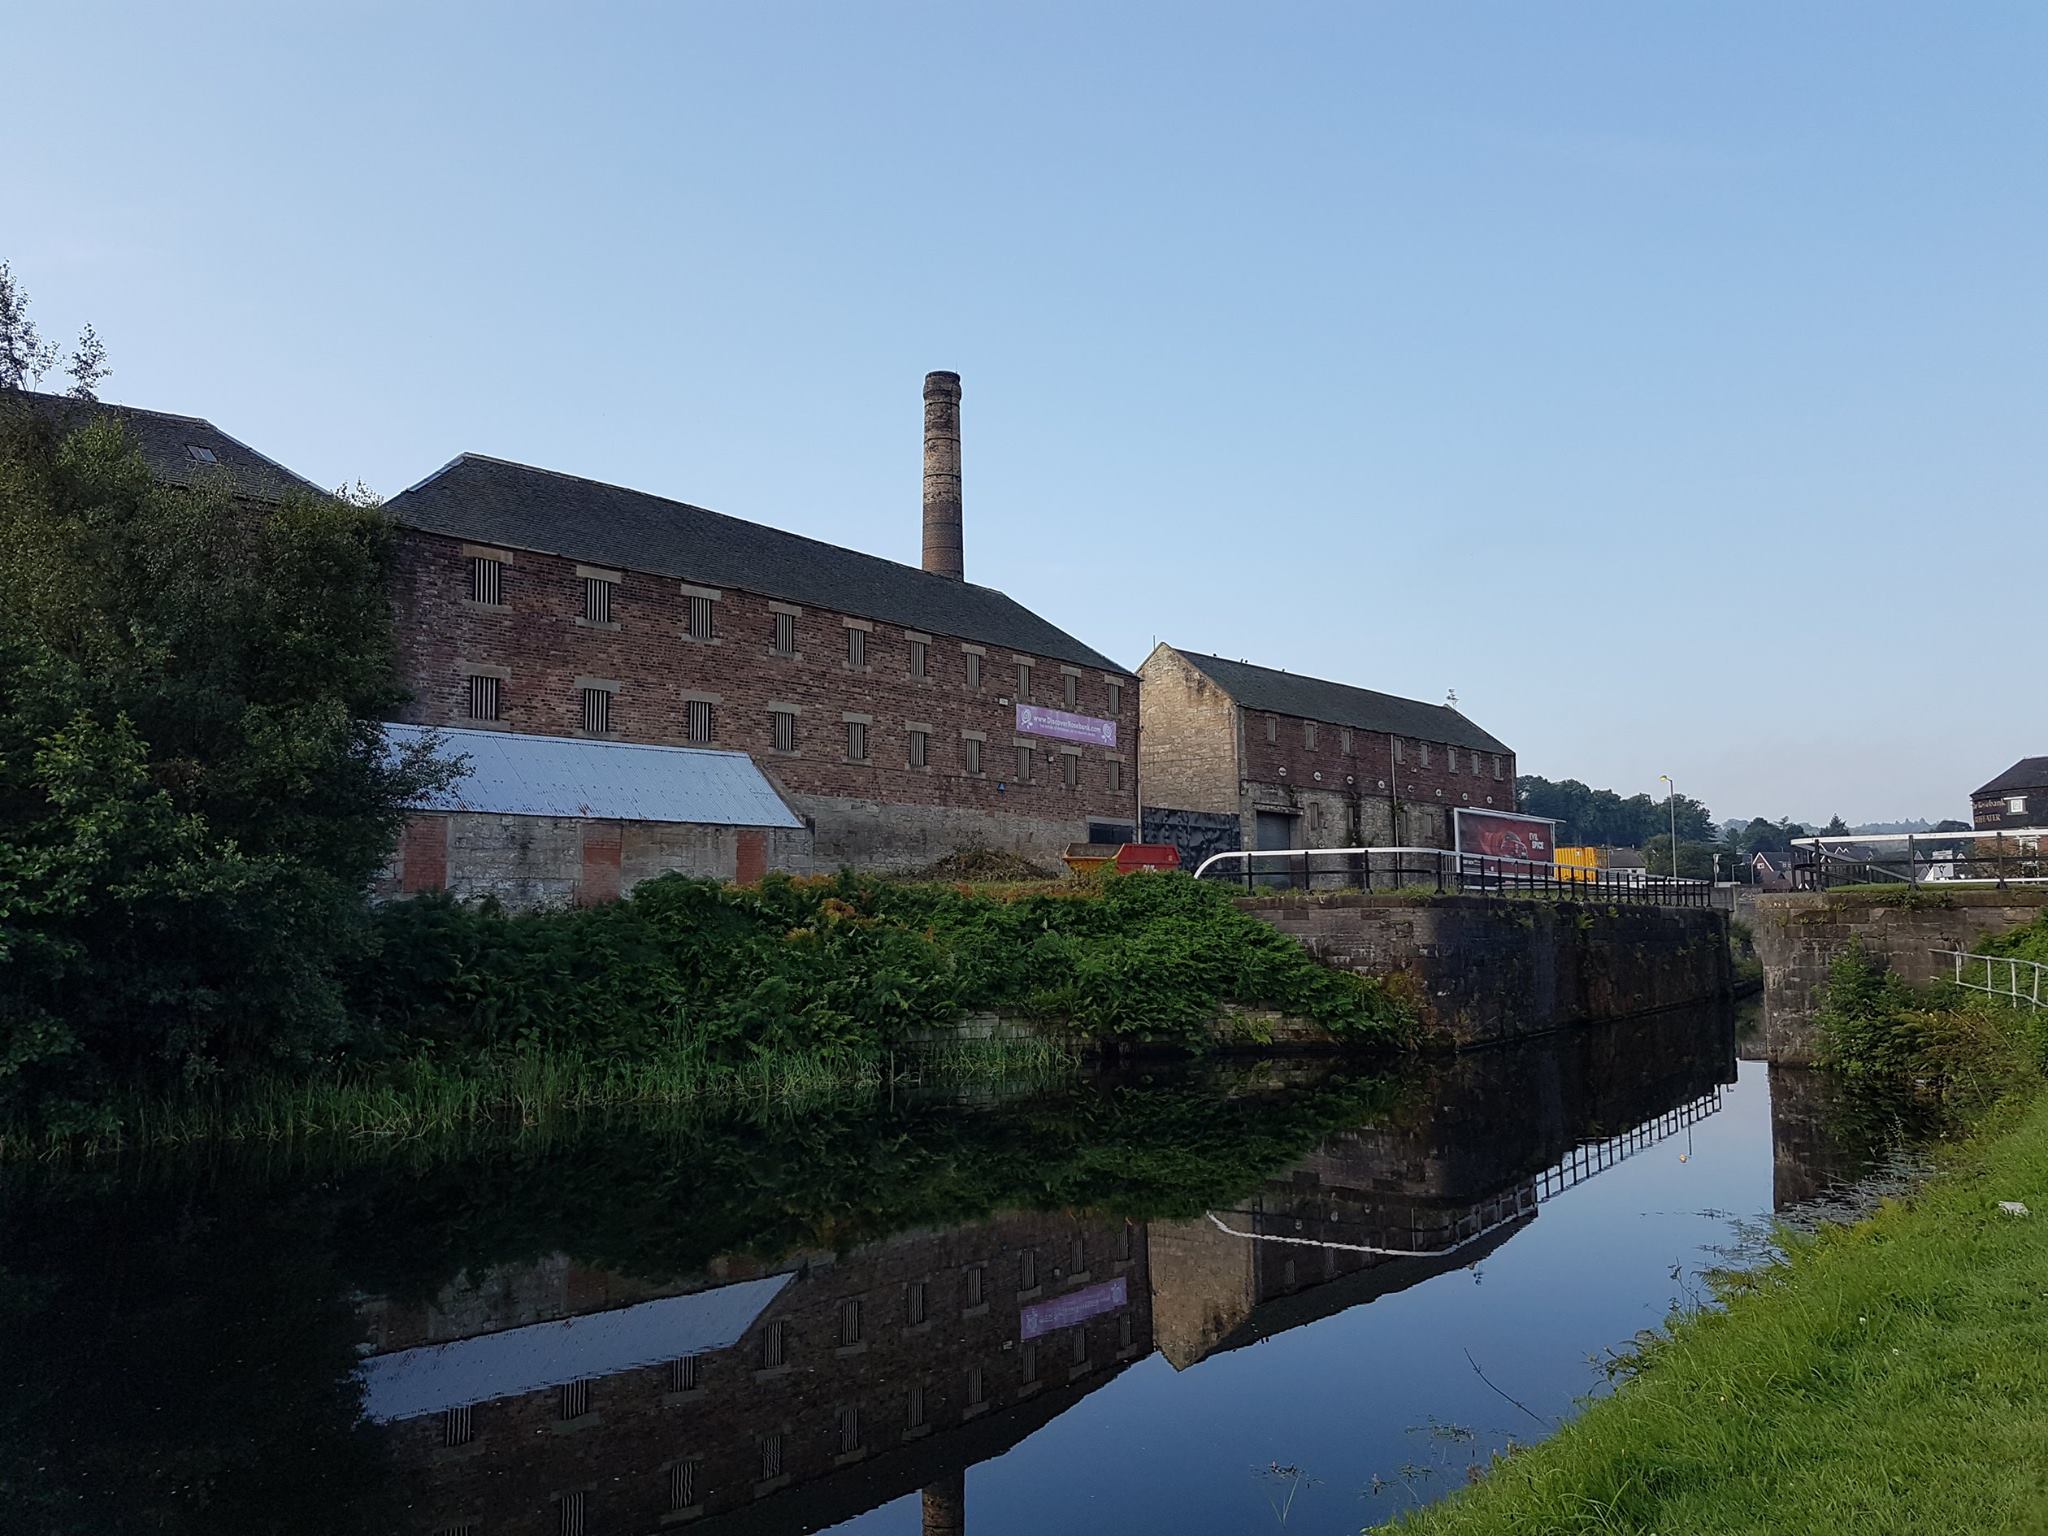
x: 1891, y: 1376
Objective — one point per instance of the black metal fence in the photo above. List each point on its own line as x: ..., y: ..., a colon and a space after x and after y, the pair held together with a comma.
x: 1933, y: 860
x: 1437, y: 871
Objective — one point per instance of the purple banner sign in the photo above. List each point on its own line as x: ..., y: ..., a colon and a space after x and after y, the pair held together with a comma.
x: 1032, y: 720
x: 1042, y: 1317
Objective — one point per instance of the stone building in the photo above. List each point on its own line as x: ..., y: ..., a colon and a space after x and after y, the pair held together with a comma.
x: 2018, y: 797
x: 1239, y: 756
x: 554, y: 821
x: 906, y: 712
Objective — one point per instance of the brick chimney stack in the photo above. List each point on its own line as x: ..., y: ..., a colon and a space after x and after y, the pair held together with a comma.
x: 943, y: 555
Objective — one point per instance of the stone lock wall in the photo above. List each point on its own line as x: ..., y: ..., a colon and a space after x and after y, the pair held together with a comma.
x: 1800, y: 935
x: 881, y: 813
x: 557, y: 861
x: 1492, y: 970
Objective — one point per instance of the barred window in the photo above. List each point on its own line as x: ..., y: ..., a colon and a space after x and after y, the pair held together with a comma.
x: 1079, y: 1261
x: 1496, y: 765
x: 1126, y: 1335
x: 849, y: 1322
x: 1024, y: 765
x: 597, y: 711
x: 574, y: 1400
x: 484, y: 701
x: 1027, y: 1269
x: 1116, y: 776
x: 1123, y: 1242
x: 456, y: 1428
x: 569, y: 1513
x: 1308, y: 734
x: 1272, y: 728
x: 913, y: 1407
x: 1073, y: 690
x: 1070, y: 769
x: 1451, y: 759
x: 771, y: 1455
x: 917, y: 660
x: 697, y: 718
x: 974, y: 671
x: 1345, y: 743
x: 597, y: 600
x: 784, y: 638
x: 971, y: 751
x: 1080, y: 1346
x: 698, y: 621
x: 920, y: 748
x: 856, y: 648
x: 486, y: 581
x: 1400, y: 751
x: 977, y: 1276
x: 1475, y: 762
x: 1029, y: 1361
x: 914, y: 1303
x: 977, y: 1387
x: 1422, y: 748
x: 1116, y: 698
x: 849, y: 1428
x: 686, y: 1373
x: 856, y: 741
x: 785, y: 729
x: 682, y: 1485
x: 774, y: 1345
x: 1023, y: 682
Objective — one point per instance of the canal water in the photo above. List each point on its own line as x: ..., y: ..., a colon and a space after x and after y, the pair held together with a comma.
x: 1294, y: 1296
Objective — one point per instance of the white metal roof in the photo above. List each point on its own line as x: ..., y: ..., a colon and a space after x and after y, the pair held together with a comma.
x: 518, y: 775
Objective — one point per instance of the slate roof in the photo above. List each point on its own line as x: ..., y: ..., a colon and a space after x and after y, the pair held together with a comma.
x: 2027, y: 773
x: 512, y: 774
x: 1312, y: 698
x: 165, y: 442
x: 492, y: 501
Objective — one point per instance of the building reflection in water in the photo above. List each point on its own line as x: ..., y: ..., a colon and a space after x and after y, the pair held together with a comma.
x: 555, y: 1399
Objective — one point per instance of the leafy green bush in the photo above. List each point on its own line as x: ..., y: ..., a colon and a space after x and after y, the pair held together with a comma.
x: 843, y: 964
x: 1875, y: 1028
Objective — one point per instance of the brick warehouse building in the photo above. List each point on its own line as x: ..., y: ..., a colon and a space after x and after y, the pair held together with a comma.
x: 1240, y: 756
x: 906, y: 712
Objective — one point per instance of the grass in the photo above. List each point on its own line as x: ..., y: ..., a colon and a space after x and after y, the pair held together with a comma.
x: 422, y: 1096
x: 1886, y: 1377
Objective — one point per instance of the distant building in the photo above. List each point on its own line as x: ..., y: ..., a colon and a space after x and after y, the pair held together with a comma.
x: 2018, y: 797
x: 907, y: 713
x: 182, y: 451
x: 1240, y: 756
x: 552, y: 821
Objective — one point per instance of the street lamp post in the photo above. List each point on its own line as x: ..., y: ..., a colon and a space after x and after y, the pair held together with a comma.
x: 1674, y: 823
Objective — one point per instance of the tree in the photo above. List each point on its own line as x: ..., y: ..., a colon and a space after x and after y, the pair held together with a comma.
x: 88, y: 365
x: 24, y: 356
x: 194, y: 786
x: 1600, y: 816
x: 1836, y: 827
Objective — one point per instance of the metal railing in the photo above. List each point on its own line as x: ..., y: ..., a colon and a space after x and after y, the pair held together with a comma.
x: 1449, y: 873
x: 2021, y: 978
x: 2005, y: 857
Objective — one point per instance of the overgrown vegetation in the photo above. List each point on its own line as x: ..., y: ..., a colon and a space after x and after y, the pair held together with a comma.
x: 843, y: 965
x: 1963, y: 1047
x: 194, y: 789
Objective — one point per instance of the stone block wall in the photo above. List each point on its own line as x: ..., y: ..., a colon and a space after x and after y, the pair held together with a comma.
x: 557, y: 861
x: 1800, y: 935
x: 1486, y: 970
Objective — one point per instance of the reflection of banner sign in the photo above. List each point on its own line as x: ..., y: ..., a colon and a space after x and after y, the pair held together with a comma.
x: 1032, y: 720
x: 1042, y: 1317
x: 1500, y: 835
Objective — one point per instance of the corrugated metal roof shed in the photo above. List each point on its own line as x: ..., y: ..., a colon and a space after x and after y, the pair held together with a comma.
x: 516, y: 775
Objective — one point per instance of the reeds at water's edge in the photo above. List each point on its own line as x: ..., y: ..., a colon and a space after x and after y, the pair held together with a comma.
x: 421, y: 1096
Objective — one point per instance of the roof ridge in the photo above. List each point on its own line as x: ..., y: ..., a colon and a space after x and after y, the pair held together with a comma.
x: 673, y: 501
x: 1329, y: 682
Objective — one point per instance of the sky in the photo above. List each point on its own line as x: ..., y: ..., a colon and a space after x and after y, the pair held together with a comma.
x: 1669, y: 381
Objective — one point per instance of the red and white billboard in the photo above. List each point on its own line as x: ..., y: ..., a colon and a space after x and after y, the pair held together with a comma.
x: 1505, y: 835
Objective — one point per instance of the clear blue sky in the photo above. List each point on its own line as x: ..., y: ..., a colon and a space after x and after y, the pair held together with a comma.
x: 1666, y: 379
